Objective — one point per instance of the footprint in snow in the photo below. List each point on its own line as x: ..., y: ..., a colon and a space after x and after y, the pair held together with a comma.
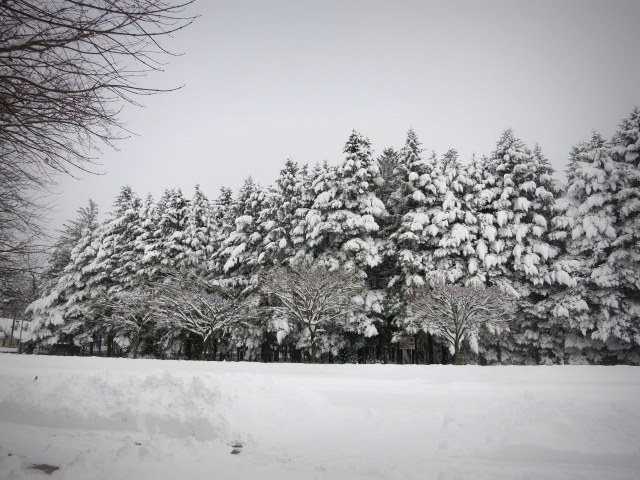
x: 237, y: 448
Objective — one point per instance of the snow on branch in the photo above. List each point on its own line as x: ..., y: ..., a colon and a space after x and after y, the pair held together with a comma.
x: 458, y: 312
x: 316, y: 298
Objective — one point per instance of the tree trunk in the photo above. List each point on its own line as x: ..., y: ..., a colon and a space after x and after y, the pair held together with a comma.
x: 313, y: 347
x: 444, y: 355
x: 457, y: 357
x: 214, y: 348
x: 20, y: 339
x: 110, y: 345
x: 136, y: 345
x: 13, y: 325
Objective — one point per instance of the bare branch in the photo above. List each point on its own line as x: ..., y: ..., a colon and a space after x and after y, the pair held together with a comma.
x: 66, y: 69
x: 315, y: 298
x: 456, y: 312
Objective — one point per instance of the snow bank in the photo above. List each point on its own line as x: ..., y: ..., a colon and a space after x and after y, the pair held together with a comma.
x: 117, y: 418
x: 201, y: 404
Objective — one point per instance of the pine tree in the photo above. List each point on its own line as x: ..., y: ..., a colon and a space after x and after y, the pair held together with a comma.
x: 387, y: 163
x: 625, y: 257
x: 238, y: 255
x: 172, y: 246
x: 603, y: 207
x: 342, y: 228
x: 415, y: 203
x: 456, y: 222
x: 115, y: 267
x: 554, y: 343
x: 563, y: 312
x: 342, y: 222
x: 70, y: 235
x: 64, y: 312
x: 223, y: 216
x: 148, y: 239
x: 114, y: 262
x: 514, y: 208
x: 200, y: 232
x: 286, y: 206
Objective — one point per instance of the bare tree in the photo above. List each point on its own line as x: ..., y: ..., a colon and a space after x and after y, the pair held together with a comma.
x: 127, y: 316
x: 66, y: 69
x: 191, y: 302
x: 315, y: 298
x: 25, y: 203
x: 457, y: 312
x: 19, y: 287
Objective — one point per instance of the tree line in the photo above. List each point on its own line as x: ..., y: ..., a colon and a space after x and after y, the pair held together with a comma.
x: 339, y: 262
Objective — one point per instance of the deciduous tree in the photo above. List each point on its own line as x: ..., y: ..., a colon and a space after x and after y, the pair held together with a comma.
x: 318, y: 300
x: 458, y: 312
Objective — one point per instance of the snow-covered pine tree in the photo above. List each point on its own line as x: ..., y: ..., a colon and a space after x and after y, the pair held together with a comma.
x: 104, y: 262
x: 72, y: 231
x: 387, y: 163
x: 116, y: 265
x: 590, y: 215
x: 238, y: 254
x: 76, y: 235
x: 625, y: 257
x: 415, y: 203
x: 603, y: 207
x: 200, y: 232
x: 342, y: 222
x: 435, y: 226
x: 456, y: 223
x: 115, y: 268
x: 553, y: 341
x: 223, y: 219
x: 563, y: 310
x: 60, y: 314
x: 235, y: 263
x: 514, y: 206
x: 148, y: 240
x: 286, y: 206
x: 402, y: 267
x: 171, y: 247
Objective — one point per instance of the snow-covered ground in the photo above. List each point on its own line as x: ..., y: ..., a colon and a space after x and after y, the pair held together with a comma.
x: 97, y: 418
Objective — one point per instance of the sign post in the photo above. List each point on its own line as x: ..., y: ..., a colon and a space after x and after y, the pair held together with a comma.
x: 407, y: 344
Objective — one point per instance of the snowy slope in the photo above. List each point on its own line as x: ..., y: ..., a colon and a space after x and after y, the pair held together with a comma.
x: 133, y: 419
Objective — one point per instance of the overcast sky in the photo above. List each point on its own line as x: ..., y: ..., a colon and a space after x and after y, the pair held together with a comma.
x: 269, y: 80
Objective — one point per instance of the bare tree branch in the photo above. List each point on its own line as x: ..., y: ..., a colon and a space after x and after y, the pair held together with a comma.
x: 457, y: 312
x: 66, y: 69
x: 189, y: 302
x: 313, y: 297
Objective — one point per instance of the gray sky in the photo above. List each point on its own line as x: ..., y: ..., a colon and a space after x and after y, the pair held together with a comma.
x: 270, y: 80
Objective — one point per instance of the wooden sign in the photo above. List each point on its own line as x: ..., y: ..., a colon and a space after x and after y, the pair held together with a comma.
x: 408, y: 343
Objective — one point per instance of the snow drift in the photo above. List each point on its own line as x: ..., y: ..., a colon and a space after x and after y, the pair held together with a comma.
x: 117, y: 418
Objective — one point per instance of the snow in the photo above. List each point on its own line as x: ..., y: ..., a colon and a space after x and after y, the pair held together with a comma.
x: 502, y: 218
x: 98, y: 418
x: 5, y: 329
x: 522, y: 204
x: 490, y: 233
x: 419, y: 197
